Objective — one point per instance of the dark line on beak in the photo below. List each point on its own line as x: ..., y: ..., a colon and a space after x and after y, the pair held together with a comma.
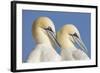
x: 51, y: 31
x: 56, y: 41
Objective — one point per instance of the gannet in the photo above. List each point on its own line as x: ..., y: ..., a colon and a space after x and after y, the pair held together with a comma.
x: 44, y: 34
x: 68, y: 37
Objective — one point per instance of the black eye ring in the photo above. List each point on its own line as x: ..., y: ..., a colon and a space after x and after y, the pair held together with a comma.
x: 75, y: 35
x: 49, y: 28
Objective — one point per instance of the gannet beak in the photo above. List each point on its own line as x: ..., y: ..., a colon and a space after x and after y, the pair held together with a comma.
x: 80, y: 43
x: 53, y: 36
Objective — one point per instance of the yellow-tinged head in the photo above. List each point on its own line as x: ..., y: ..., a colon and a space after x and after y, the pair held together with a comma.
x: 44, y: 22
x: 68, y: 30
x: 43, y: 30
x: 68, y: 36
x: 64, y: 35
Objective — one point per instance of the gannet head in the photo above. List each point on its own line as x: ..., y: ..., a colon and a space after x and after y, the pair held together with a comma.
x: 69, y: 36
x: 45, y: 23
x: 43, y: 30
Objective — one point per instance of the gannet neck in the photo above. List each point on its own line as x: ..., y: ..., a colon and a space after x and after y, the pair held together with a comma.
x: 39, y: 30
x: 64, y: 40
x: 66, y: 43
x: 43, y: 31
x: 41, y: 36
x: 69, y: 37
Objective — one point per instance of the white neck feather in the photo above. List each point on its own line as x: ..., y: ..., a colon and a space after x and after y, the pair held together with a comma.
x: 41, y: 37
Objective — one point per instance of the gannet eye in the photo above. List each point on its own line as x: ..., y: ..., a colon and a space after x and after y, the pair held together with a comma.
x: 75, y: 35
x: 49, y: 28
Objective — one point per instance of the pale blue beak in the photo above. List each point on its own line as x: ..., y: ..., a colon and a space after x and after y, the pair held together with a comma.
x: 80, y: 43
x: 53, y: 37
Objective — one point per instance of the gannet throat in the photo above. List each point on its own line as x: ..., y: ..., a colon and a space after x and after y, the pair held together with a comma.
x: 69, y: 37
x: 79, y: 42
x: 52, y: 35
x: 43, y: 31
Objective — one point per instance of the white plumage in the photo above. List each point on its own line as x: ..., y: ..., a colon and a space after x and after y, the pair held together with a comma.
x: 75, y: 54
x: 43, y: 31
x: 43, y: 53
x: 67, y: 37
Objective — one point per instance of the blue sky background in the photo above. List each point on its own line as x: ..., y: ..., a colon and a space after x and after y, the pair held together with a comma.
x: 80, y: 20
